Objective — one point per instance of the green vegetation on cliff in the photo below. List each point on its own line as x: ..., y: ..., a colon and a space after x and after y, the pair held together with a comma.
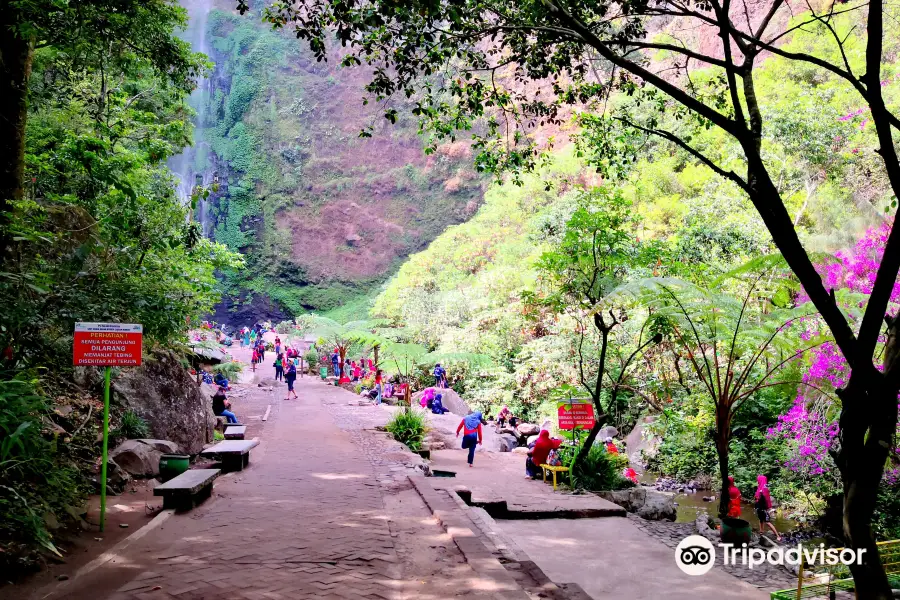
x: 321, y: 214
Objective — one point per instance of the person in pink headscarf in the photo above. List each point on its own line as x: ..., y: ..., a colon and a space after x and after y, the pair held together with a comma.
x: 763, y: 504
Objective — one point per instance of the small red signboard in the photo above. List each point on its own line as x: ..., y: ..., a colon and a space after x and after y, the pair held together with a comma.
x: 576, y: 413
x: 108, y: 344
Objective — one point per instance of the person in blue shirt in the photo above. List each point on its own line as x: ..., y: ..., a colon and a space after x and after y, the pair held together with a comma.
x: 440, y: 376
x: 335, y: 363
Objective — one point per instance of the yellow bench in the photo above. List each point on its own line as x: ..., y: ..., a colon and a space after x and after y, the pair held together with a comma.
x: 553, y: 469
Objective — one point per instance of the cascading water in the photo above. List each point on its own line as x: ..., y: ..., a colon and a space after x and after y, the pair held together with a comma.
x: 194, y: 166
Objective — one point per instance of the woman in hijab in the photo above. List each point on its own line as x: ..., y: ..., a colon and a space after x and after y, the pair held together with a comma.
x: 437, y: 406
x: 763, y: 504
x: 538, y: 455
x: 471, y: 424
x: 734, y: 499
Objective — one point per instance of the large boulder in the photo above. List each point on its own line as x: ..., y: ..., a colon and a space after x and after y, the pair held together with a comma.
x: 531, y: 439
x: 137, y: 458
x: 164, y: 446
x: 166, y: 396
x: 507, y: 442
x: 607, y: 432
x: 658, y: 506
x: 527, y: 429
x: 646, y: 502
x: 450, y: 399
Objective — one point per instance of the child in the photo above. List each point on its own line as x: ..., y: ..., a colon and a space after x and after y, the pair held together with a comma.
x: 253, y: 360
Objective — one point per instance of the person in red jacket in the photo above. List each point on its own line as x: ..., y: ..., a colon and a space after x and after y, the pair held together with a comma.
x: 471, y: 424
x: 734, y: 499
x: 538, y: 455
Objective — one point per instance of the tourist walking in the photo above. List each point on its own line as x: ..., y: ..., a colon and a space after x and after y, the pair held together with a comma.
x: 253, y: 360
x: 763, y: 505
x: 290, y: 377
x: 335, y: 363
x: 378, y: 386
x: 471, y: 428
x: 279, y: 367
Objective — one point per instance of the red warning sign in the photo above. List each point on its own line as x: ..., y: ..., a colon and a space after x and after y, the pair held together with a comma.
x: 575, y: 413
x: 108, y: 344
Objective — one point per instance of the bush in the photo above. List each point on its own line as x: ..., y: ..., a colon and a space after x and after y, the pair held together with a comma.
x: 36, y: 477
x: 886, y: 520
x: 408, y: 426
x: 312, y: 360
x: 601, y: 471
x: 231, y: 370
x: 132, y: 427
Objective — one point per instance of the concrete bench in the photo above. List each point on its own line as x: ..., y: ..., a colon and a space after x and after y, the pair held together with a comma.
x: 235, y: 432
x: 188, y: 489
x: 233, y: 454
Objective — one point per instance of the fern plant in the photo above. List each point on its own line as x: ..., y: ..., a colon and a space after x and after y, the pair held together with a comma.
x: 408, y: 426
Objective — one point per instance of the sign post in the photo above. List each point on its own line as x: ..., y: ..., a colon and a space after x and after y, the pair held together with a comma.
x: 107, y: 345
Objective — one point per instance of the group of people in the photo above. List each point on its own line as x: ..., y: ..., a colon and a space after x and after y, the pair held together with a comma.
x: 762, y: 503
x: 433, y: 401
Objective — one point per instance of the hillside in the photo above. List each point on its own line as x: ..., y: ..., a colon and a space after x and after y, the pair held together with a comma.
x: 321, y: 214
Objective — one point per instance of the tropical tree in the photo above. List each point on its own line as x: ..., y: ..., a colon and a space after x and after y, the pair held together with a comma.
x: 342, y: 337
x: 734, y: 347
x: 464, y: 63
x: 592, y: 257
x: 93, y: 36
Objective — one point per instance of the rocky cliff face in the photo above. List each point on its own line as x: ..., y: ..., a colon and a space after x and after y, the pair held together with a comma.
x: 321, y: 214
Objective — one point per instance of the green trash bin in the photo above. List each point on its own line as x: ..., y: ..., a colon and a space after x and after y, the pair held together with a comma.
x: 735, y: 531
x: 173, y: 465
x: 323, y: 373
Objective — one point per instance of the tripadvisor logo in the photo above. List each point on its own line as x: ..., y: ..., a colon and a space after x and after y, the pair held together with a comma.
x: 695, y: 555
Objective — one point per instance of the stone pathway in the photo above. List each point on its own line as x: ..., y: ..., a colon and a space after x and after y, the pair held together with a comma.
x: 307, y: 519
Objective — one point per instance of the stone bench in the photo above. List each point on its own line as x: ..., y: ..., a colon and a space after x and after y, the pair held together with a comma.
x: 233, y: 454
x: 235, y: 432
x: 188, y: 489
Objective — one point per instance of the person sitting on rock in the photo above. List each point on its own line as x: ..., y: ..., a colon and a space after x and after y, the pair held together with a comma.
x: 427, y: 399
x: 437, y: 406
x: 538, y: 455
x: 221, y: 406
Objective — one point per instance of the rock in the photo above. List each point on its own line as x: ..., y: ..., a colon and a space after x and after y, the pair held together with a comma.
x: 607, y: 432
x: 163, y: 393
x: 123, y: 525
x: 164, y: 446
x: 527, y: 429
x: 50, y: 520
x: 62, y: 577
x: 64, y: 410
x: 521, y: 450
x: 646, y: 502
x: 658, y: 506
x: 137, y: 458
x: 703, y: 528
x: 507, y: 442
x: 450, y: 399
x: 709, y: 498
x: 531, y: 439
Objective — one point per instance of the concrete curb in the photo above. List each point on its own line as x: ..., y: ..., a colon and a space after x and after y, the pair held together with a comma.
x: 475, y: 552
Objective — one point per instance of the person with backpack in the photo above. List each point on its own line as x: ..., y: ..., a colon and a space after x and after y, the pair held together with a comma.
x: 279, y: 367
x: 763, y: 504
x: 440, y: 376
x: 290, y: 377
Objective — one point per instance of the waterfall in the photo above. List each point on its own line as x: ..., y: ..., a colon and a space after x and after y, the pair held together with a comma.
x: 193, y: 166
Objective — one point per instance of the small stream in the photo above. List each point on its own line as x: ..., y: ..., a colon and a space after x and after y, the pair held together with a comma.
x: 689, y: 505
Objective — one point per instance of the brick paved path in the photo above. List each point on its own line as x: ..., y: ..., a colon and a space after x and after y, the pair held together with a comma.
x: 306, y: 520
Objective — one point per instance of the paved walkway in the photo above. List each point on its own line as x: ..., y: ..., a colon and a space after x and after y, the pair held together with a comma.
x: 308, y: 519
